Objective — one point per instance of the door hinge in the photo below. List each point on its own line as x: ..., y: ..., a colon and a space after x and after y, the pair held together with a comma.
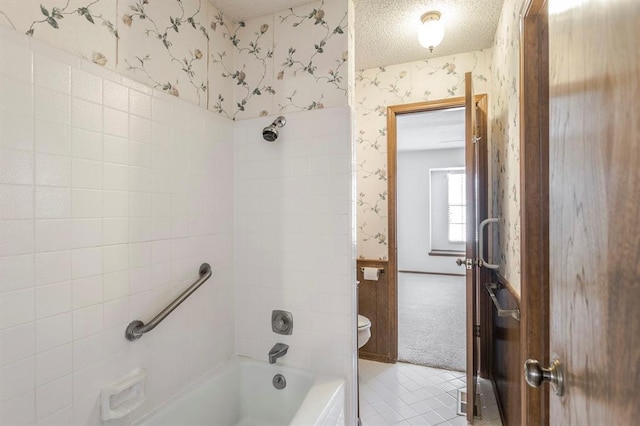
x: 476, y: 330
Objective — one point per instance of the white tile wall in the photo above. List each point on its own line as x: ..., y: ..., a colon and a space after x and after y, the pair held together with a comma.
x: 87, y: 144
x: 17, y: 343
x: 111, y: 196
x: 293, y: 203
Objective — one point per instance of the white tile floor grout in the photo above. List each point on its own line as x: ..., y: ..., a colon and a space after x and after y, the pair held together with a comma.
x: 407, y: 394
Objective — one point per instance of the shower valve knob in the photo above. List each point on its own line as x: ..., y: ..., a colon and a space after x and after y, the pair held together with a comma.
x: 282, y: 322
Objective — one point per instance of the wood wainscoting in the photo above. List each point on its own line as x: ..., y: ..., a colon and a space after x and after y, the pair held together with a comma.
x: 506, y: 369
x: 374, y: 302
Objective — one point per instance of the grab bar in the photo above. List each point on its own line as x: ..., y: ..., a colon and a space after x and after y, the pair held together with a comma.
x: 514, y: 313
x: 481, y: 243
x: 137, y: 328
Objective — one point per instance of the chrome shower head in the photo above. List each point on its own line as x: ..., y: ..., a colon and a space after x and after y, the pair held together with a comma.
x: 270, y: 133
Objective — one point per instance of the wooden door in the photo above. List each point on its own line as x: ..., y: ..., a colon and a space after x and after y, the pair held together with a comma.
x: 594, y: 165
x: 472, y: 274
x: 478, y: 306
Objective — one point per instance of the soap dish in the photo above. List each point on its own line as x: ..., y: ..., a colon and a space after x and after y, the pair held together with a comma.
x: 124, y: 395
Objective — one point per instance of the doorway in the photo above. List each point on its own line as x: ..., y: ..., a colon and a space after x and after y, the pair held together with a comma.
x: 393, y: 113
x: 478, y: 309
x: 392, y: 392
x: 430, y: 235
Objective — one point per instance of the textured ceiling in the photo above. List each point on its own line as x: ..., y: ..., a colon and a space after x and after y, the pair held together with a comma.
x: 386, y: 30
x: 440, y: 129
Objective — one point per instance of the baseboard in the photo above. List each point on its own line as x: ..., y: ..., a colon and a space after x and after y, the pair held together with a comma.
x: 433, y: 273
x: 376, y: 357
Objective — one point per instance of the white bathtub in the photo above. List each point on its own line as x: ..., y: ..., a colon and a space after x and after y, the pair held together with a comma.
x: 241, y: 393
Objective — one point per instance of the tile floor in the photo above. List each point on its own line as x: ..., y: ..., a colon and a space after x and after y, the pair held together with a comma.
x: 407, y: 394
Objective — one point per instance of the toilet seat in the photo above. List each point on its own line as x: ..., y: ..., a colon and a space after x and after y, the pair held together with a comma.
x: 364, y: 330
x: 363, y: 322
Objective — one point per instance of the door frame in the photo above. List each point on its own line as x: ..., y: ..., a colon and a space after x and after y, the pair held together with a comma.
x: 534, y: 196
x: 392, y: 166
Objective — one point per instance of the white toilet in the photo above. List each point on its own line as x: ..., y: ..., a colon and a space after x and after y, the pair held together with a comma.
x: 364, y: 330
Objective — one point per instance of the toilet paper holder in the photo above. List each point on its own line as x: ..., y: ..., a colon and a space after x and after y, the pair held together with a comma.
x: 380, y: 269
x: 371, y: 273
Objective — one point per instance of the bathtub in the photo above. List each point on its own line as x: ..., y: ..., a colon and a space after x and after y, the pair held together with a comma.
x: 241, y: 393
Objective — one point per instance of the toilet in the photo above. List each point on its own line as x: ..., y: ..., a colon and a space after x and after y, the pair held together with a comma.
x: 364, y: 330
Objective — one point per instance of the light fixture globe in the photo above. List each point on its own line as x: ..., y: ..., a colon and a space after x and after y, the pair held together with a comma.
x: 431, y: 32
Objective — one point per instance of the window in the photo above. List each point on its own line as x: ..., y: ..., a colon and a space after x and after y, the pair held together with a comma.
x: 456, y: 206
x: 447, y: 211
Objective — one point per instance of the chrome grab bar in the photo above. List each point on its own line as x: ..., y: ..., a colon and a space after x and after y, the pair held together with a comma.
x: 513, y: 313
x: 137, y: 328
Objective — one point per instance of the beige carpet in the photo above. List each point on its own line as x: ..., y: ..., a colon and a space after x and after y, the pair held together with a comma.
x: 431, y: 320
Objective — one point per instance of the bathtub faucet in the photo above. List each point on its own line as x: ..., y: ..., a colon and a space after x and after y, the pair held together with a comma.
x: 278, y: 350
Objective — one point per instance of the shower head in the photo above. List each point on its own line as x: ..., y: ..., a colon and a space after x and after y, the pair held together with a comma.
x: 270, y: 133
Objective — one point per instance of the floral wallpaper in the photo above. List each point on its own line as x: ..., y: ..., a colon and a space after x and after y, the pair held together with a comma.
x: 505, y: 140
x: 166, y: 47
x: 294, y: 60
x: 85, y: 27
x: 377, y: 88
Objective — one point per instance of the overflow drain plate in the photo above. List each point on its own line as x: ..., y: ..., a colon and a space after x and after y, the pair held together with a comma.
x: 279, y: 382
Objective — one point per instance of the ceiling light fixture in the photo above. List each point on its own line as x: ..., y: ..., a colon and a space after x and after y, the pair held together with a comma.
x: 431, y: 32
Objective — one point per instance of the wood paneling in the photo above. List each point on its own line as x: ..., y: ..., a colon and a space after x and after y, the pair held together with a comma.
x: 506, y: 369
x: 534, y: 194
x: 374, y: 298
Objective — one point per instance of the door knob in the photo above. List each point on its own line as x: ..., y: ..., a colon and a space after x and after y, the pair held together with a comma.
x: 535, y: 375
x: 467, y: 262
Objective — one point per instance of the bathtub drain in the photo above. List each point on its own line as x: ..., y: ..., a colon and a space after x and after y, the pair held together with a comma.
x: 279, y: 382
